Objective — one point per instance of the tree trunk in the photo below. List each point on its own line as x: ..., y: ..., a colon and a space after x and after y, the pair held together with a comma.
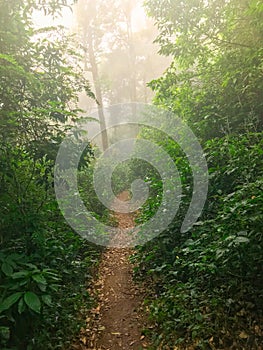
x: 95, y: 77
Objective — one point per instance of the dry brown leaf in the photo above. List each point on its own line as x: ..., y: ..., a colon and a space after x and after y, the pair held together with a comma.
x: 243, y: 335
x: 83, y: 340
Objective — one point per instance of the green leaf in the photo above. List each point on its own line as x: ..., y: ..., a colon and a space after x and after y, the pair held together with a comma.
x: 20, y: 274
x: 32, y: 301
x: 9, y: 301
x: 7, y: 269
x: 241, y: 239
x: 47, y: 299
x: 39, y: 279
x: 42, y: 287
x: 21, y: 306
x: 8, y: 58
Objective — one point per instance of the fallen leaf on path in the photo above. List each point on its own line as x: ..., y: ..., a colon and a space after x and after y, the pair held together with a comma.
x: 83, y: 340
x: 243, y: 335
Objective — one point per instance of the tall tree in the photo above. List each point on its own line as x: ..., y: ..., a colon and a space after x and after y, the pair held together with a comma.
x: 93, y: 21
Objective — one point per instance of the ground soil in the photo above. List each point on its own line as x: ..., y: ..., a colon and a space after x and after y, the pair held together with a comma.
x: 118, y: 320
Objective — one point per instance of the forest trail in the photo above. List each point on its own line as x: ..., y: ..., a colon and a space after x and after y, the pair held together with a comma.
x: 118, y: 320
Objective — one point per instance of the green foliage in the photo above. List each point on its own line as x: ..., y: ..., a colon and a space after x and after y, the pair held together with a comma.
x: 208, y: 281
x: 44, y: 267
x: 215, y: 80
x: 42, y: 293
x: 40, y: 74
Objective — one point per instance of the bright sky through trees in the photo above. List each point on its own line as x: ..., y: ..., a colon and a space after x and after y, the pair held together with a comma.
x: 67, y: 18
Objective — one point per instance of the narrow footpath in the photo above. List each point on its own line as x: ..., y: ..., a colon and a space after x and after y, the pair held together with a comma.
x: 118, y: 320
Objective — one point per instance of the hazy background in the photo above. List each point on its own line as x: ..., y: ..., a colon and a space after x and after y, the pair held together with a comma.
x: 116, y: 39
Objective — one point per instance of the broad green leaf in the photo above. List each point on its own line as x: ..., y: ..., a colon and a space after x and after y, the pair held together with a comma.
x: 9, y: 301
x: 32, y: 301
x: 7, y: 269
x: 20, y: 274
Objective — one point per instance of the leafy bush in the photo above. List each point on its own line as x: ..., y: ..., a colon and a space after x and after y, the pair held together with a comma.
x: 44, y: 266
x: 208, y: 281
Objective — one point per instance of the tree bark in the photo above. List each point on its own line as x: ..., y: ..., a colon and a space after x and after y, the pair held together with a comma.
x: 98, y: 93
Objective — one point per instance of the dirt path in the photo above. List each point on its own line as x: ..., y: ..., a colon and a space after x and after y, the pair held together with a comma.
x: 117, y: 321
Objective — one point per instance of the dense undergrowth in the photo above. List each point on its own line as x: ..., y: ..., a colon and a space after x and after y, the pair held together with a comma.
x: 207, y: 282
x: 44, y: 266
